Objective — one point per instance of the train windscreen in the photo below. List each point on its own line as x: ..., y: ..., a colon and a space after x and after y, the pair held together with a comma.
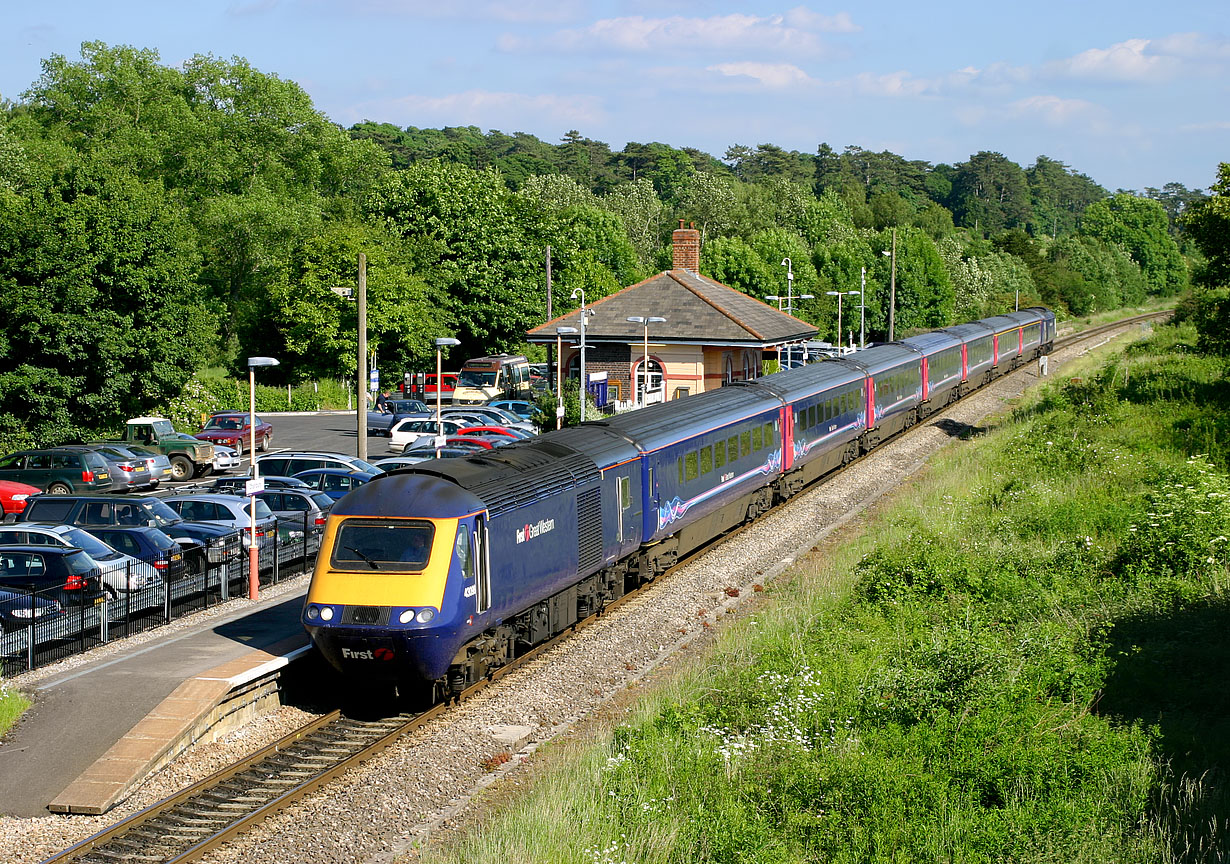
x: 370, y: 544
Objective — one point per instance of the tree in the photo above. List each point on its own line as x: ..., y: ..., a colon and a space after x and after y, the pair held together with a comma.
x: 1140, y: 225
x: 990, y: 193
x: 1059, y: 196
x: 709, y: 201
x: 734, y: 262
x: 643, y: 215
x: 1208, y: 223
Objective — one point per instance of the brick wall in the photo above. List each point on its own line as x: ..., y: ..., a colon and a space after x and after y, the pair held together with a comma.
x: 615, y: 361
x: 686, y: 243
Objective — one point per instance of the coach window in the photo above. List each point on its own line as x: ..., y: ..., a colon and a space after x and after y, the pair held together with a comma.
x: 481, y: 552
x: 719, y: 455
x: 690, y: 465
x: 706, y: 459
x: 681, y: 474
x: 745, y: 443
x: 811, y: 416
x: 769, y: 438
x: 732, y: 448
x: 757, y: 439
x: 465, y: 552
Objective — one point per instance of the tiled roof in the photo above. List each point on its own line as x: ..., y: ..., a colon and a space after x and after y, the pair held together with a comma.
x: 697, y: 309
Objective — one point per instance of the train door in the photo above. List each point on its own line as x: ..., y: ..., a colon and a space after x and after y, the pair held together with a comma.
x: 623, y: 489
x: 926, y: 389
x: 786, y: 418
x: 482, y: 565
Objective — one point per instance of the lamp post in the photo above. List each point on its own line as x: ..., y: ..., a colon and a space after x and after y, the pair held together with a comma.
x: 839, y: 295
x: 442, y: 342
x: 862, y: 309
x: 646, y: 320
x: 859, y: 294
x: 254, y: 551
x: 559, y: 373
x: 776, y: 297
x: 585, y: 313
x: 892, y: 291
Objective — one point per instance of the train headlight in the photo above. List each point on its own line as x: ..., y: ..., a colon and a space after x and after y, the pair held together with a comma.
x: 425, y: 615
x: 313, y: 612
x: 406, y: 617
x: 326, y: 613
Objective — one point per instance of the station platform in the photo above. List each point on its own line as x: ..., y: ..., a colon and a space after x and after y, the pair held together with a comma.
x: 99, y: 729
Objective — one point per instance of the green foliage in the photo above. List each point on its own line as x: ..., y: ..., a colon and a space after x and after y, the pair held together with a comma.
x: 1140, y: 226
x: 1209, y: 225
x: 990, y: 194
x: 13, y: 704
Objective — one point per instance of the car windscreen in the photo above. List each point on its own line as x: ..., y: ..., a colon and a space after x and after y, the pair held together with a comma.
x: 90, y: 544
x: 323, y: 501
x: 398, y: 545
x: 80, y: 563
x: 367, y: 466
x: 476, y: 378
x: 161, y: 513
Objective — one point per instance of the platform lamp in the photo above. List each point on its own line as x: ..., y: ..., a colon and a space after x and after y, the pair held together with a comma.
x: 442, y: 342
x: 254, y: 486
x: 839, y: 295
x: 559, y: 373
x: 646, y: 320
x: 585, y: 313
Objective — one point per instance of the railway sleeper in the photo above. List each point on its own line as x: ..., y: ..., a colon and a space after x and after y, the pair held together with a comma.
x: 104, y: 855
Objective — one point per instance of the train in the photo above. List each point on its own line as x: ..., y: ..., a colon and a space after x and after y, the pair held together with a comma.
x: 433, y: 576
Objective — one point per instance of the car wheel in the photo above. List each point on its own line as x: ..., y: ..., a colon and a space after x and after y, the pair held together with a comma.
x: 58, y: 489
x: 262, y: 445
x: 181, y: 468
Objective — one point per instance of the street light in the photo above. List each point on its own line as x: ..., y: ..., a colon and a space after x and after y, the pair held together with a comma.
x: 442, y: 342
x: 862, y: 309
x: 777, y: 298
x: 640, y: 319
x: 559, y: 373
x: 254, y: 551
x: 892, y: 291
x: 585, y: 313
x: 839, y: 295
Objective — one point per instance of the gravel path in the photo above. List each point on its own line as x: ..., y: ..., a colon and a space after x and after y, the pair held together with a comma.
x: 421, y: 786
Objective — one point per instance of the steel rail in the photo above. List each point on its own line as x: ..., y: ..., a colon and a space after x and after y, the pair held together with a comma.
x: 112, y: 844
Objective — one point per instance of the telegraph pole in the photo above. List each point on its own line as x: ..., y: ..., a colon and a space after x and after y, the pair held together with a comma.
x: 361, y: 411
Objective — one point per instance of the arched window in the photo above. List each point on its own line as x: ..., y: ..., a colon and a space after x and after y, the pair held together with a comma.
x: 654, y: 385
x: 747, y: 367
x: 729, y: 371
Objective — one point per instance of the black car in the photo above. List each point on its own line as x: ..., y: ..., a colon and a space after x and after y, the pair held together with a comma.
x: 218, y: 544
x: 18, y: 610
x: 66, y: 575
x: 149, y: 545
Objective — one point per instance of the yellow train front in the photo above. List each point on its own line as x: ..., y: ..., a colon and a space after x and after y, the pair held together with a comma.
x: 395, y: 592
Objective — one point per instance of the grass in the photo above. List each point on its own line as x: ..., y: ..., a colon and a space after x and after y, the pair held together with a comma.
x: 1022, y: 659
x: 12, y: 705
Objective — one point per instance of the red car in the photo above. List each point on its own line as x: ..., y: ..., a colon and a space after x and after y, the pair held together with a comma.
x: 230, y: 429
x: 491, y: 430
x: 13, y: 495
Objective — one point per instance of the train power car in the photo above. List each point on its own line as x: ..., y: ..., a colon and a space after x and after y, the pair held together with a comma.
x: 435, y: 574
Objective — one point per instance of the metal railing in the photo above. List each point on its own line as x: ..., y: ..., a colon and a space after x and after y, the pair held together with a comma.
x: 41, y: 629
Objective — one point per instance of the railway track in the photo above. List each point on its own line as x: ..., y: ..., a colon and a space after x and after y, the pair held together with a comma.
x: 188, y: 825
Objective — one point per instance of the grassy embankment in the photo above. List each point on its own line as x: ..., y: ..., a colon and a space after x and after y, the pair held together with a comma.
x: 12, y: 705
x: 1022, y: 659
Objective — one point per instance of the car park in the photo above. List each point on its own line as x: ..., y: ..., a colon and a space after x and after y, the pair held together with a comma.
x: 379, y: 422
x: 216, y: 543
x: 68, y: 576
x: 57, y: 470
x: 119, y: 572
x: 335, y: 482
x: 18, y: 609
x: 158, y: 463
x: 410, y: 431
x: 289, y: 463
x: 13, y: 496
x: 516, y: 434
x: 493, y: 416
x: 232, y: 511
x: 151, y: 546
x: 231, y: 429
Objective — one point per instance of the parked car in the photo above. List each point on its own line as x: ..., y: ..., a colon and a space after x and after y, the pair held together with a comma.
x: 231, y: 429
x: 118, y: 571
x: 128, y: 473
x: 379, y: 422
x: 519, y: 407
x: 493, y: 416
x: 218, y: 544
x: 57, y: 471
x: 289, y: 463
x: 422, y: 454
x: 18, y: 610
x: 226, y: 458
x: 507, y: 432
x: 239, y: 485
x: 299, y: 510
x: 152, y: 546
x: 68, y: 576
x: 13, y: 496
x: 410, y: 431
x: 232, y: 511
x: 335, y: 482
x: 159, y: 464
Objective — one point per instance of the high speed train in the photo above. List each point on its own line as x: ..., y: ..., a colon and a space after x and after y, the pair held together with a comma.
x: 436, y: 574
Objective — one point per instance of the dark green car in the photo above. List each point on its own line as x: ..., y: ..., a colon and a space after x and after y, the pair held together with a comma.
x: 58, y: 471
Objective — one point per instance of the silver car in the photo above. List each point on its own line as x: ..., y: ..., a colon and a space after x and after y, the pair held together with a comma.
x: 128, y: 472
x: 234, y: 511
x: 301, y: 513
x: 118, y: 572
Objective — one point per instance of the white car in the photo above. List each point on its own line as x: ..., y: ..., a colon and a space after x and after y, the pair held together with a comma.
x: 412, y: 430
x: 225, y: 458
x: 118, y: 572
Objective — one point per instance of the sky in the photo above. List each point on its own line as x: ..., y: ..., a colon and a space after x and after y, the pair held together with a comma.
x: 1134, y: 94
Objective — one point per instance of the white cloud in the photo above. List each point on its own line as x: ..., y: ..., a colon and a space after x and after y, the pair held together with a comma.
x: 1057, y: 111
x: 492, y: 109
x: 1131, y: 60
x: 793, y: 33
x: 772, y: 75
x: 539, y: 11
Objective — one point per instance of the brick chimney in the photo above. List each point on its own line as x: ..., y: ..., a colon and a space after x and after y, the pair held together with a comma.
x: 686, y: 242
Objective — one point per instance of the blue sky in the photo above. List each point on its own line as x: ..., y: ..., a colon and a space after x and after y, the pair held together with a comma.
x: 1134, y: 94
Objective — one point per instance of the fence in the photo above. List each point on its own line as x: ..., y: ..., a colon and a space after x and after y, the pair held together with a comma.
x: 43, y: 627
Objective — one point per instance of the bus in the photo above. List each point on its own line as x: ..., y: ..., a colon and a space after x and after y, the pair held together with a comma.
x: 504, y: 376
